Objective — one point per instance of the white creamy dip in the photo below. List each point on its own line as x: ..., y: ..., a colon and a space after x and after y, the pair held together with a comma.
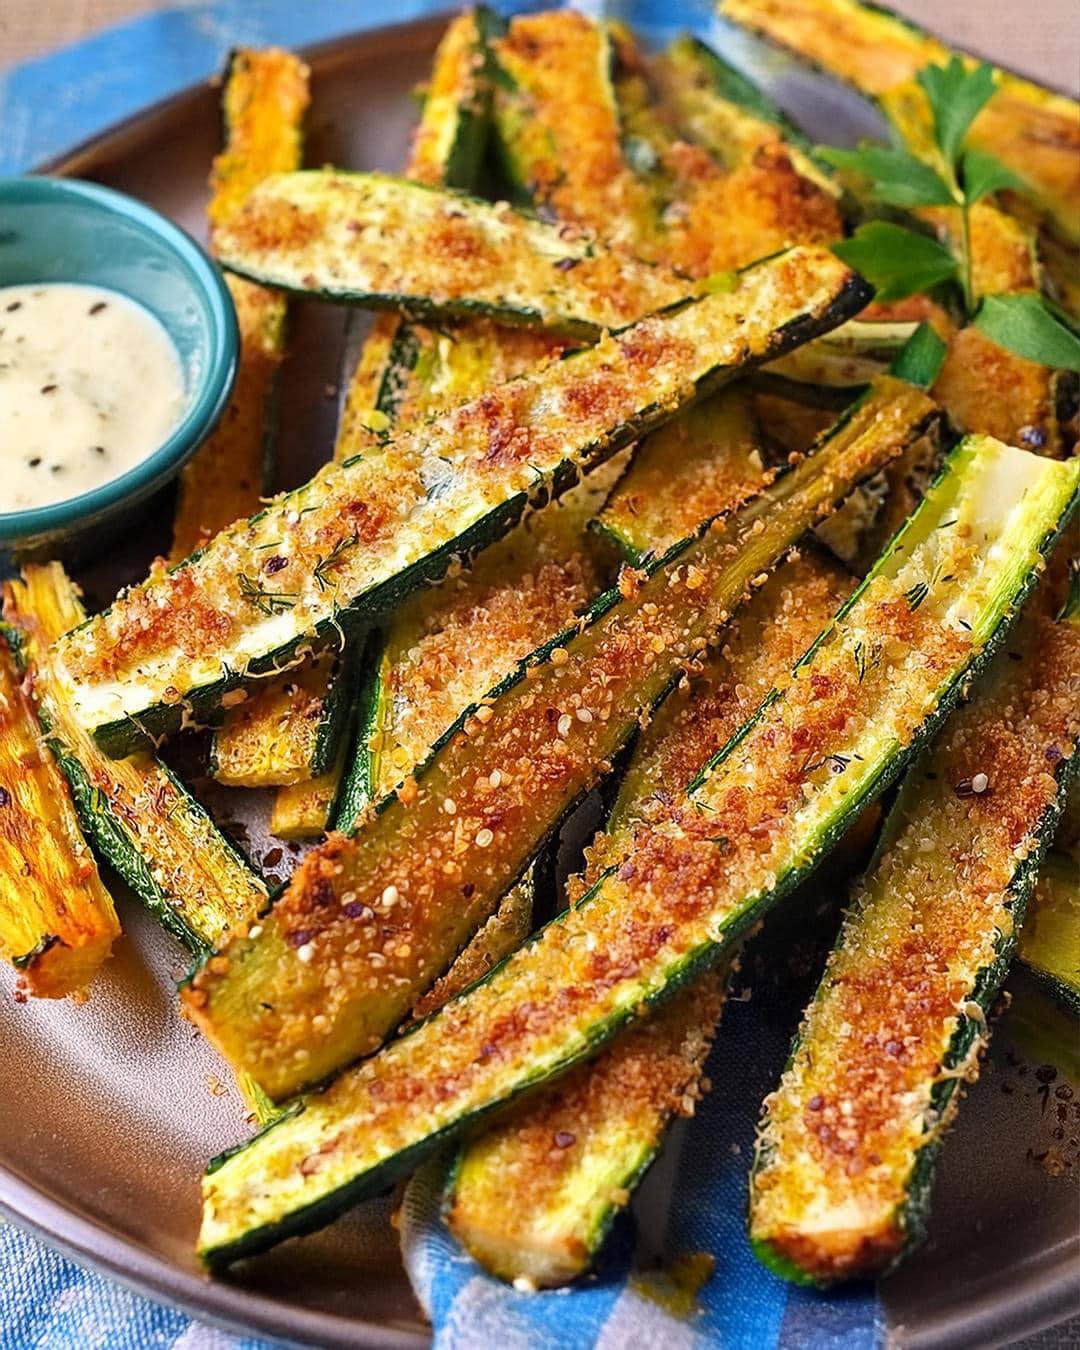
x: 90, y: 384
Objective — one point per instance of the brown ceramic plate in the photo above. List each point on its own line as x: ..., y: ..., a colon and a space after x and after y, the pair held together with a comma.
x: 109, y: 1111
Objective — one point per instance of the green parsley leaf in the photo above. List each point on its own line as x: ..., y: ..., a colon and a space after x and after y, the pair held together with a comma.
x: 957, y: 96
x: 982, y: 173
x: 898, y: 178
x: 897, y: 262
x: 1023, y: 324
x: 920, y: 358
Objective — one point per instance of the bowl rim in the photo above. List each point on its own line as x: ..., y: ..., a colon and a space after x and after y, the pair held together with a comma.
x: 209, y: 396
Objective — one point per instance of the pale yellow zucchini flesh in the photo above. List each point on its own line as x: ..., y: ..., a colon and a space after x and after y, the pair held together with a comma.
x: 263, y: 105
x: 57, y: 920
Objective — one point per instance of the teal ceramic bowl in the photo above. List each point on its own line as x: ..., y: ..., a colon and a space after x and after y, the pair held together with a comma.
x: 56, y: 229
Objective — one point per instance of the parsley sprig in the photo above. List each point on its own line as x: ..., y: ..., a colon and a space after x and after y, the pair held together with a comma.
x: 900, y: 262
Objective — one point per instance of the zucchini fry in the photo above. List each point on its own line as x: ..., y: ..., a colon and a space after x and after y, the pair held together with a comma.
x: 57, y: 920
x: 704, y: 462
x: 768, y: 809
x: 510, y: 777
x: 136, y: 812
x: 608, y: 1118
x: 846, y: 1151
x: 558, y: 127
x: 263, y: 104
x: 288, y: 730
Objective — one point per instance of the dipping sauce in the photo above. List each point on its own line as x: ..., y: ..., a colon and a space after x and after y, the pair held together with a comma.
x: 90, y: 384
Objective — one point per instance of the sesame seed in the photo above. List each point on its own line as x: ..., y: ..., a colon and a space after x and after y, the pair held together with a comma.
x: 494, y: 778
x: 980, y: 783
x: 255, y: 930
x: 559, y: 656
x: 565, y: 723
x: 449, y: 806
x: 584, y: 715
x: 483, y: 838
x: 306, y: 953
x: 390, y: 895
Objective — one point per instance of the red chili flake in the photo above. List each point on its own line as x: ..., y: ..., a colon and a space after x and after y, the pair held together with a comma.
x: 98, y: 306
x: 355, y: 909
x: 564, y: 1138
x: 299, y: 936
x: 275, y: 564
x: 468, y: 889
x: 566, y: 264
x: 5, y: 797
x: 816, y: 1102
x: 273, y: 858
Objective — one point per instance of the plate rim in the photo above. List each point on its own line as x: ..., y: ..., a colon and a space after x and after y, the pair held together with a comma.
x: 1047, y: 1298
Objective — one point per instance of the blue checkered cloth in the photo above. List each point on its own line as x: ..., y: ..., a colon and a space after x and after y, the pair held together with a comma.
x: 694, y: 1200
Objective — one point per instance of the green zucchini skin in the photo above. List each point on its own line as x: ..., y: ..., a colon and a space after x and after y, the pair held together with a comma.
x: 456, y: 518
x: 455, y: 122
x: 1027, y: 694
